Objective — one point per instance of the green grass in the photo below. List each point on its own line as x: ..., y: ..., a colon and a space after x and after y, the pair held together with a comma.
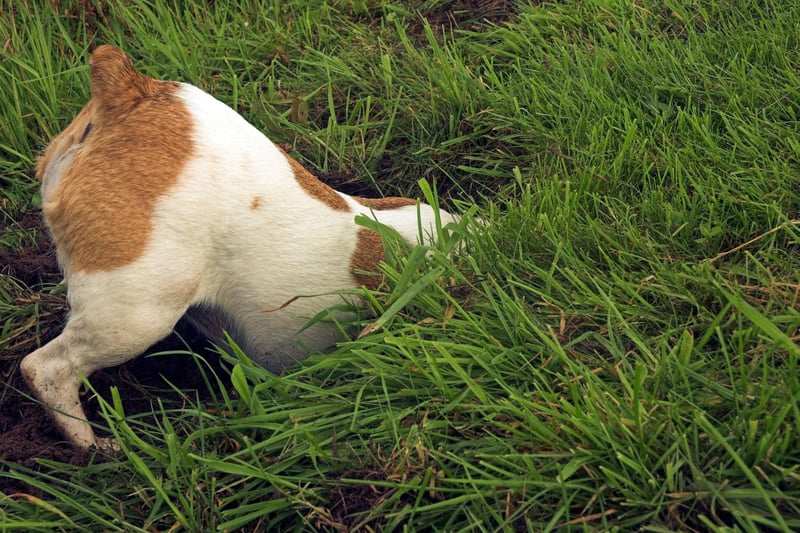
x: 615, y: 347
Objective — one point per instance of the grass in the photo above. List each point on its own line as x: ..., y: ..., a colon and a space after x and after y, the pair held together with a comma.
x: 615, y: 347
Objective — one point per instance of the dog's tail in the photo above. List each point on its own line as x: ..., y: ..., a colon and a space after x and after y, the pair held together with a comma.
x: 116, y: 84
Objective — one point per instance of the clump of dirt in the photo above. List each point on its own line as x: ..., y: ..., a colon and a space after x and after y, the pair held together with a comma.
x: 34, y: 263
x: 28, y: 434
x: 471, y: 14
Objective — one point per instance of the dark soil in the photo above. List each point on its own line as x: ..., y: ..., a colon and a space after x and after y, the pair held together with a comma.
x: 35, y: 262
x: 469, y: 14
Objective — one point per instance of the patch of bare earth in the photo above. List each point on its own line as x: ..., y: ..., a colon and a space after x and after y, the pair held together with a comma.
x: 471, y: 14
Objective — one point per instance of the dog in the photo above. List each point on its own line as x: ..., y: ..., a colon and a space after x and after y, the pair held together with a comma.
x: 163, y: 200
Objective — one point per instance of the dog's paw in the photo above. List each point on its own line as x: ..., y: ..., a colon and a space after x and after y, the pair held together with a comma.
x: 107, y: 445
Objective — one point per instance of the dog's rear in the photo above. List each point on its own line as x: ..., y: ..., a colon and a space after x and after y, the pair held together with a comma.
x: 161, y: 198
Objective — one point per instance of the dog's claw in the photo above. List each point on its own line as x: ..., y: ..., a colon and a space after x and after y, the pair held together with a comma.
x: 107, y: 445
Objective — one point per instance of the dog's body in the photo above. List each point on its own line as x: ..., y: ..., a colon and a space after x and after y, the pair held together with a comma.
x: 161, y: 198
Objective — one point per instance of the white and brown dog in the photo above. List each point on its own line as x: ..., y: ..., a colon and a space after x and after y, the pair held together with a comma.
x: 161, y: 198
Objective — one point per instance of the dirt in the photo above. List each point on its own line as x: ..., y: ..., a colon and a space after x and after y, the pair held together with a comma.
x: 35, y: 262
x: 469, y: 14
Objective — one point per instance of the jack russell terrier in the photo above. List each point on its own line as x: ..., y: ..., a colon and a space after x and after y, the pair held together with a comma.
x: 160, y: 198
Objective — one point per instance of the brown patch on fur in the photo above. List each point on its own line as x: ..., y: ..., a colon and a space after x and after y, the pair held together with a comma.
x: 75, y: 133
x: 102, y: 207
x: 382, y: 204
x: 314, y: 187
x: 369, y: 248
x: 256, y: 203
x: 366, y: 256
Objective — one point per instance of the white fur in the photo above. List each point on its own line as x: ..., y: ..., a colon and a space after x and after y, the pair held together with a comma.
x: 211, y: 250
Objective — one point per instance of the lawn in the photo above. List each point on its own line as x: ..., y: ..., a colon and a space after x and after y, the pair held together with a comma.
x: 608, y: 340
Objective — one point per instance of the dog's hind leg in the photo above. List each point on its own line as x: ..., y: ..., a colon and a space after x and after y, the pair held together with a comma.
x: 111, y: 321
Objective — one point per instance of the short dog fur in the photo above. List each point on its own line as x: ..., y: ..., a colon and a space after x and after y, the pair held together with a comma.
x: 160, y: 199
